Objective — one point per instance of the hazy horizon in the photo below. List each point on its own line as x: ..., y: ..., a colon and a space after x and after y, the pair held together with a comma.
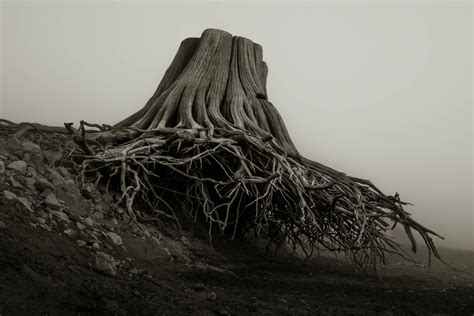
x: 377, y: 90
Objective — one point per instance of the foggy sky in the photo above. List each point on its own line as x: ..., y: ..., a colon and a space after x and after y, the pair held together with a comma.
x: 376, y: 90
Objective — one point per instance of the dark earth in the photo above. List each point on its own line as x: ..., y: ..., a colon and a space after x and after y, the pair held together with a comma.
x: 49, y: 251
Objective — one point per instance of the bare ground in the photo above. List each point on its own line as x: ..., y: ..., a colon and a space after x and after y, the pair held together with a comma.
x: 42, y: 272
x: 45, y: 270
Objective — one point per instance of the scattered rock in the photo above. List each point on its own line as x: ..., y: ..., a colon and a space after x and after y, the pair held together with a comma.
x: 31, y: 172
x: 70, y: 232
x: 96, y: 246
x: 98, y: 215
x: 15, y: 183
x: 9, y: 195
x: 3, y: 225
x: 56, y: 178
x: 2, y: 167
x: 105, y: 263
x: 81, y: 243
x: 89, y: 221
x: 51, y: 156
x: 80, y: 226
x: 282, y: 300
x: 70, y: 186
x: 18, y: 166
x: 61, y: 215
x: 30, y: 183
x: 14, y: 144
x: 43, y: 183
x: 212, y: 296
x: 45, y: 227
x: 26, y: 203
x: 30, y: 147
x: 52, y: 202
x: 116, y: 239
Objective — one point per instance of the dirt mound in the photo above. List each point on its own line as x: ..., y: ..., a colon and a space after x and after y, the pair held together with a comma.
x: 66, y: 249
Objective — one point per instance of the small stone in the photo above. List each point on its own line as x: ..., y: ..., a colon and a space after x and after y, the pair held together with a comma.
x: 29, y: 147
x: 31, y: 172
x: 116, y: 239
x: 18, y: 166
x: 70, y: 232
x: 41, y: 220
x: 26, y: 203
x: 30, y: 183
x: 89, y: 221
x: 51, y: 156
x: 212, y: 296
x: 45, y: 193
x: 80, y: 226
x: 15, y: 183
x: 9, y: 195
x: 253, y: 299
x: 63, y: 171
x: 56, y: 178
x: 96, y: 246
x: 43, y: 183
x: 105, y: 263
x: 2, y: 167
x: 70, y: 186
x: 61, y: 215
x: 3, y: 225
x: 45, y: 227
x: 98, y: 215
x: 33, y: 225
x: 81, y: 243
x: 52, y: 202
x: 282, y: 300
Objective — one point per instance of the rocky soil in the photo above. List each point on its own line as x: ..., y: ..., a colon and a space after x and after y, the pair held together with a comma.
x: 69, y: 249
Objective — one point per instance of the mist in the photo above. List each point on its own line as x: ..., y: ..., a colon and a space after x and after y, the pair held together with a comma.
x: 381, y: 91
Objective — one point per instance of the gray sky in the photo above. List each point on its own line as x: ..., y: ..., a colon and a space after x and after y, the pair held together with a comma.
x: 377, y: 90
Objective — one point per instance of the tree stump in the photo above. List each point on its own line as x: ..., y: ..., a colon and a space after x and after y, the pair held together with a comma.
x: 210, y: 137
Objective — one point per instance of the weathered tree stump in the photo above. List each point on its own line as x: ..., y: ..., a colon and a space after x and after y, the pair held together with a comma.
x: 210, y: 135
